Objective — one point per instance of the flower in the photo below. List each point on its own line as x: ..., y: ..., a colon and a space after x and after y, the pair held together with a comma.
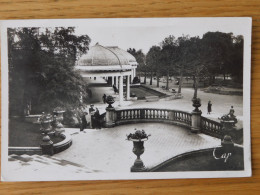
x: 139, y: 134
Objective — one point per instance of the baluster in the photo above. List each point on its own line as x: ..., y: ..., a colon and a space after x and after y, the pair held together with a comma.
x: 138, y: 115
x: 119, y: 115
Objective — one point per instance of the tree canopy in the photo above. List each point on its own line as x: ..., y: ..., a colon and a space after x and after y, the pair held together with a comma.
x: 41, y: 68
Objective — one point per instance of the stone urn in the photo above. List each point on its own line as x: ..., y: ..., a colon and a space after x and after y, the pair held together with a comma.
x: 138, y: 139
x: 46, y: 128
x: 228, y: 122
x: 196, y: 103
x: 46, y: 120
x: 57, y: 119
x: 110, y: 100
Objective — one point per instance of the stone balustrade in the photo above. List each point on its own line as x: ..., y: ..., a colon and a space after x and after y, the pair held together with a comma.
x: 193, y: 120
x: 152, y: 115
x: 212, y: 128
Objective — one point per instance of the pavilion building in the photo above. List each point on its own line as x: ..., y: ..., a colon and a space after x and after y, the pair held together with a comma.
x: 112, y: 63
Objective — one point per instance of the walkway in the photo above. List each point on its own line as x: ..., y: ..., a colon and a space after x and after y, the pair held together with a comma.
x: 108, y: 150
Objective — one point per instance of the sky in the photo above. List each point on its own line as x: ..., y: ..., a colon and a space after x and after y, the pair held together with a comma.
x: 144, y: 33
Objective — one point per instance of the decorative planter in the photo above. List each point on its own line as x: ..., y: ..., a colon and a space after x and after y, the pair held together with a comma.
x: 138, y: 150
x: 196, y: 104
x: 57, y: 119
x: 47, y: 144
x: 138, y: 139
x: 110, y: 100
x: 46, y: 120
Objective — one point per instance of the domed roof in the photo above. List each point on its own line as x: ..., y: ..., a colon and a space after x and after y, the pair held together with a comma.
x: 99, y: 55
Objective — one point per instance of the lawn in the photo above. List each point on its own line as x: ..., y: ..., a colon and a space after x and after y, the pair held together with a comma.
x: 23, y: 134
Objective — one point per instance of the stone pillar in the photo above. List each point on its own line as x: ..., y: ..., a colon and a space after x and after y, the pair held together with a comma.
x: 116, y: 82
x: 110, y: 117
x: 128, y: 87
x: 121, y: 91
x: 195, y: 121
x: 113, y: 80
x: 47, y: 145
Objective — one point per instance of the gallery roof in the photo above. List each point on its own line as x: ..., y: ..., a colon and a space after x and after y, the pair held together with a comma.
x: 99, y: 55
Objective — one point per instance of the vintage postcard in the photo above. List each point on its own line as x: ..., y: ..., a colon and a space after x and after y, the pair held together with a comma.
x: 150, y: 98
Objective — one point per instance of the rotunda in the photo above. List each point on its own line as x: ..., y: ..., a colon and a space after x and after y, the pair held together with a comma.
x: 112, y: 63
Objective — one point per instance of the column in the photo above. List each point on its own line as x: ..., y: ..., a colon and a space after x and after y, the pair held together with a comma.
x: 128, y: 87
x: 132, y: 74
x: 113, y: 80
x: 121, y: 92
x: 117, y: 82
x: 195, y: 121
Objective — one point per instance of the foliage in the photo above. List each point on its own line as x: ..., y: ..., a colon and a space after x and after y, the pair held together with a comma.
x: 138, y: 135
x: 41, y: 68
x: 140, y: 59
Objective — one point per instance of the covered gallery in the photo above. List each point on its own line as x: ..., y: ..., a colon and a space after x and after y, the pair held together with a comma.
x: 112, y: 63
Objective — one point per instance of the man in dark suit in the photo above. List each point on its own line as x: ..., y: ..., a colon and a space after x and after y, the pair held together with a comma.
x: 84, y: 121
x: 92, y: 112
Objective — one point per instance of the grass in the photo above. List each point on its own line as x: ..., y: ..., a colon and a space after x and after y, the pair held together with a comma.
x: 23, y: 134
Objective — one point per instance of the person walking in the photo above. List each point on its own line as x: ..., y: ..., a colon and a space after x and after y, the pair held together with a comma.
x: 209, y: 107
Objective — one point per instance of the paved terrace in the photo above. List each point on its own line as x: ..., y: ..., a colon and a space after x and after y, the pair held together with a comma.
x: 220, y: 103
x: 107, y: 150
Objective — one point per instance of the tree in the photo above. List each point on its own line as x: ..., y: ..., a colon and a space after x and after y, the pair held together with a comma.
x: 140, y: 59
x: 41, y: 66
x: 196, y: 61
x: 182, y: 51
x: 153, y: 60
x: 168, y: 57
x: 219, y: 52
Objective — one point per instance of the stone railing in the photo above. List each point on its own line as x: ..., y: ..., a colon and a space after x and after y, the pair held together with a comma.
x: 193, y: 120
x: 152, y: 115
x: 210, y: 127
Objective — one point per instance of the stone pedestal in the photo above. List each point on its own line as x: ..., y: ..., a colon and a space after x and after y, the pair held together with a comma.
x: 138, y: 150
x: 110, y: 117
x: 195, y: 121
x: 47, y: 145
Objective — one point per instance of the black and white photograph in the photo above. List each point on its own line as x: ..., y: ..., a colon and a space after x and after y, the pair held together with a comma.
x: 137, y: 98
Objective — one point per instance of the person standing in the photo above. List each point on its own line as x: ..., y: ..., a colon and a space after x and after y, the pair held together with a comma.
x: 104, y: 98
x: 84, y: 121
x: 209, y: 107
x: 91, y: 112
x: 231, y: 112
x: 97, y: 119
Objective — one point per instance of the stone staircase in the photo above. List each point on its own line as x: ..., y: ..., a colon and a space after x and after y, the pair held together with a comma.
x: 40, y: 163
